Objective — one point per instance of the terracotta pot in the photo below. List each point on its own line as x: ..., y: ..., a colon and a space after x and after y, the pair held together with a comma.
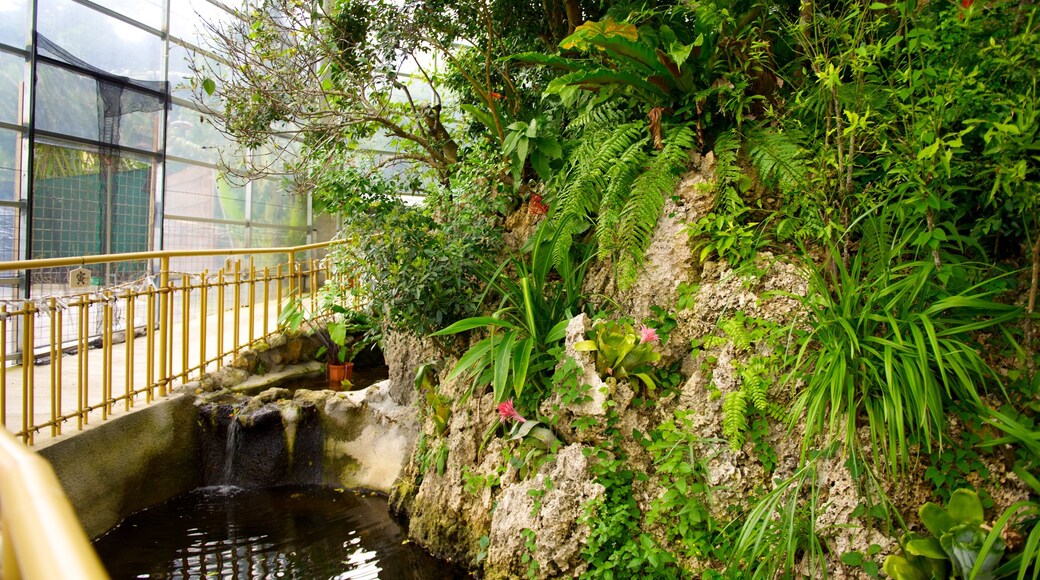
x: 338, y: 373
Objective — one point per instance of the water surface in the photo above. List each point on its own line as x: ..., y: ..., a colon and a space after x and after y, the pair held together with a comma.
x: 305, y: 533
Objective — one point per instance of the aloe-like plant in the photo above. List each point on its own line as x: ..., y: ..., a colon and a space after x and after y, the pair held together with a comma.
x: 533, y: 312
x: 957, y: 543
x: 621, y: 352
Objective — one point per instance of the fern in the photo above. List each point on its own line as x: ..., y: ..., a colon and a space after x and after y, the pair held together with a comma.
x: 737, y: 332
x: 621, y: 176
x: 753, y: 396
x: 605, y: 115
x: 618, y: 184
x: 727, y: 174
x: 734, y: 418
x: 580, y: 199
x: 778, y: 160
x: 646, y: 201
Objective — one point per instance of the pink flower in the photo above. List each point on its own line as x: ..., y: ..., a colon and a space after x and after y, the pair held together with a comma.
x: 508, y: 412
x: 648, y: 335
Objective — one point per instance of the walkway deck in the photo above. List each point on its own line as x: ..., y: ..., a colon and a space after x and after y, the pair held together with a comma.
x: 128, y: 359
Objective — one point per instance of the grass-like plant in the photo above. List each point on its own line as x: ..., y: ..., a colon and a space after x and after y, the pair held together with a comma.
x: 779, y: 532
x: 891, y: 346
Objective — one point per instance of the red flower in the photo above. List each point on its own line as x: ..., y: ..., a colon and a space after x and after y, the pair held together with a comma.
x: 537, y: 207
x: 967, y: 3
x: 496, y: 96
x: 507, y: 412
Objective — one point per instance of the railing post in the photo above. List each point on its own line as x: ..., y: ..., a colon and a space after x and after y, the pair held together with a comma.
x: 8, y: 561
x: 28, y: 375
x: 164, y: 322
x: 292, y: 273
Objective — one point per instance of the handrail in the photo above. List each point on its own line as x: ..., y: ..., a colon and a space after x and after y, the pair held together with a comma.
x: 164, y: 320
x: 32, y: 499
x: 153, y: 255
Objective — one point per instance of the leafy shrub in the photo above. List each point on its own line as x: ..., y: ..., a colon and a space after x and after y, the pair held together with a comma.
x: 417, y: 266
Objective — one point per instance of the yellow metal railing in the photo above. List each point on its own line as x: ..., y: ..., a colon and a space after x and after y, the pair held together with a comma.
x: 40, y: 533
x: 81, y: 355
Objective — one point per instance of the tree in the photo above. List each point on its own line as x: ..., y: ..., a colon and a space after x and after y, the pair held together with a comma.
x: 328, y: 75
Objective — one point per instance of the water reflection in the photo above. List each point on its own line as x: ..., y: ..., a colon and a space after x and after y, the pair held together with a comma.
x: 289, y: 532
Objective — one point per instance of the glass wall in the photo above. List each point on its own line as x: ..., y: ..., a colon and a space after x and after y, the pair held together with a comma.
x: 106, y: 153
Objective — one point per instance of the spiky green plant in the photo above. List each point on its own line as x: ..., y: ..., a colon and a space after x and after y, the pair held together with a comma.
x: 890, y: 345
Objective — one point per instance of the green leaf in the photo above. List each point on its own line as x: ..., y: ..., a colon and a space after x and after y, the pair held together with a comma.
x: 586, y: 346
x: 474, y: 322
x: 543, y: 59
x: 936, y: 519
x: 679, y: 52
x: 965, y: 507
x: 926, y: 547
x: 852, y: 558
x: 541, y: 165
x: 593, y: 79
x: 471, y: 358
x: 558, y: 332
x: 210, y: 86
x: 503, y: 354
x: 521, y: 361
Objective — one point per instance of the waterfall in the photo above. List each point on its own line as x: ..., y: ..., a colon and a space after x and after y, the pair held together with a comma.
x: 231, y: 447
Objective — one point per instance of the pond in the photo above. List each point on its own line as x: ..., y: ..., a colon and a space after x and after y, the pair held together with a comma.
x: 303, y: 532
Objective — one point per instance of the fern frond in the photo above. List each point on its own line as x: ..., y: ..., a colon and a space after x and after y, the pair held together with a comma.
x: 598, y: 115
x: 619, y: 179
x: 646, y: 201
x: 726, y: 147
x: 737, y: 333
x: 727, y: 174
x: 580, y: 200
x: 778, y: 158
x: 734, y: 419
x: 753, y: 376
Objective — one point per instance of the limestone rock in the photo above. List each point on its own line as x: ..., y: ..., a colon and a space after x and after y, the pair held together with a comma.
x: 565, y: 485
x: 403, y: 354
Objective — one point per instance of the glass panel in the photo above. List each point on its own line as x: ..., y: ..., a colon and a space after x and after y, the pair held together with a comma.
x: 9, y: 238
x: 66, y: 102
x: 12, y: 73
x: 147, y: 12
x: 196, y: 191
x: 276, y: 238
x: 180, y: 74
x: 83, y: 206
x: 273, y: 205
x: 189, y: 235
x: 106, y: 43
x: 189, y: 137
x: 140, y: 129
x: 190, y: 19
x: 13, y: 22
x: 10, y: 165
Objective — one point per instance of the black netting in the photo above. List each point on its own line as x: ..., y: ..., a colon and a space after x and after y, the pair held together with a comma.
x: 91, y: 200
x: 116, y: 95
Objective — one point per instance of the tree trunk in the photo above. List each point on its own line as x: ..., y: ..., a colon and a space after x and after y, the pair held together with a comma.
x: 574, y: 18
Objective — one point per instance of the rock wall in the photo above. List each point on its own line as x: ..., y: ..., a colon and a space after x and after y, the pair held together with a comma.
x: 356, y: 439
x: 466, y: 500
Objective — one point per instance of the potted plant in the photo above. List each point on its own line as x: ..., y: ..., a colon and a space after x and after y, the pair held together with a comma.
x: 342, y: 334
